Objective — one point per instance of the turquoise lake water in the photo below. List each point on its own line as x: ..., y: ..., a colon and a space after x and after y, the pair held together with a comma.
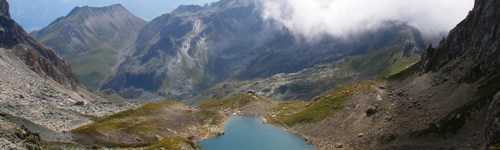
x: 248, y: 133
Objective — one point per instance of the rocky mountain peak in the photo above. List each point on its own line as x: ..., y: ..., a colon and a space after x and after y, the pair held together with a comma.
x: 88, y: 11
x: 4, y: 8
x: 92, y: 36
x: 472, y: 48
x: 215, y: 7
x: 187, y: 8
x: 235, y: 3
x: 114, y: 7
x: 102, y: 23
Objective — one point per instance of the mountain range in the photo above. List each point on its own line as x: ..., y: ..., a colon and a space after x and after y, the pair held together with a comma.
x: 380, y: 89
x: 194, y: 48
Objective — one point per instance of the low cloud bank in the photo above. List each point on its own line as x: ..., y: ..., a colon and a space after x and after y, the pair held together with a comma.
x: 314, y: 18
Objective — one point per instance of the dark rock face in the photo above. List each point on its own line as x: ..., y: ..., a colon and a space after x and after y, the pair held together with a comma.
x: 472, y: 47
x: 93, y: 39
x: 471, y: 55
x: 40, y: 59
x: 194, y: 48
x: 4, y: 7
x: 460, y: 83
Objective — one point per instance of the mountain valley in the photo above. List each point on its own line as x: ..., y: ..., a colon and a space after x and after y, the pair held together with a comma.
x: 177, y: 80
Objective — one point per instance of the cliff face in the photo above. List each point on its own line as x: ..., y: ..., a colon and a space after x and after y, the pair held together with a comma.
x: 40, y: 59
x: 471, y: 50
x: 470, y: 56
x: 4, y: 7
x: 93, y: 39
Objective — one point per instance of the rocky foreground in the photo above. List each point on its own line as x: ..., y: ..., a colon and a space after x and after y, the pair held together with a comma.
x: 38, y: 92
x: 450, y: 100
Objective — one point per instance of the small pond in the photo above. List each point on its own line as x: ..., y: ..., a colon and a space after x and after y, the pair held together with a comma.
x: 250, y: 133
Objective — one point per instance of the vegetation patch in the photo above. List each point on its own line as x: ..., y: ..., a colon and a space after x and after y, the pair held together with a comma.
x: 174, y: 143
x: 494, y: 147
x: 233, y: 102
x: 399, y: 66
x: 403, y: 74
x: 320, y: 108
x: 94, y: 66
x: 148, y: 124
x: 383, y: 63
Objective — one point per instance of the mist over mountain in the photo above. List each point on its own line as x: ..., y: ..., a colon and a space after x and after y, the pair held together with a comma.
x: 314, y: 18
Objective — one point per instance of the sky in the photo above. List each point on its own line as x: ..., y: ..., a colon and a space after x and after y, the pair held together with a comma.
x: 36, y: 14
x: 314, y: 18
x: 306, y: 18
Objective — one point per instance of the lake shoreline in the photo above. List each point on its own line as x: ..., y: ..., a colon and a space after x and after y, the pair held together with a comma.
x: 257, y: 125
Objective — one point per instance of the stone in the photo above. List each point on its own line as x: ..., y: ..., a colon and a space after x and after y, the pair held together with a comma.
x: 371, y: 111
x: 388, y: 118
x: 361, y: 134
x: 339, y: 145
x: 80, y: 103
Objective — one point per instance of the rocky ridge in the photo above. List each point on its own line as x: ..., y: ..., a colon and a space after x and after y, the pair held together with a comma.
x: 41, y: 60
x: 37, y: 87
x: 314, y: 81
x: 13, y: 137
x: 94, y: 40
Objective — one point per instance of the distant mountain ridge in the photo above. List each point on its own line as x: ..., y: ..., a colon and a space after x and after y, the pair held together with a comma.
x: 4, y: 7
x: 93, y: 39
x: 182, y: 53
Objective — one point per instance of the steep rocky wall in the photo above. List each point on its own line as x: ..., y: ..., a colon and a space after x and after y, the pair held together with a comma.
x: 4, y: 8
x: 464, y: 78
x: 471, y: 50
x: 40, y: 59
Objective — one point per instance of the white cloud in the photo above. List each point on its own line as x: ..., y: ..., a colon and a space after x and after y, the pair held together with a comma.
x: 311, y: 18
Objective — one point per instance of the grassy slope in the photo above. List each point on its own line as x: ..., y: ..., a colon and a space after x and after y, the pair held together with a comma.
x: 231, y: 102
x: 383, y: 63
x: 293, y: 113
x: 169, y: 125
x: 93, y: 58
x: 94, y: 67
x: 175, y: 143
x: 155, y: 123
